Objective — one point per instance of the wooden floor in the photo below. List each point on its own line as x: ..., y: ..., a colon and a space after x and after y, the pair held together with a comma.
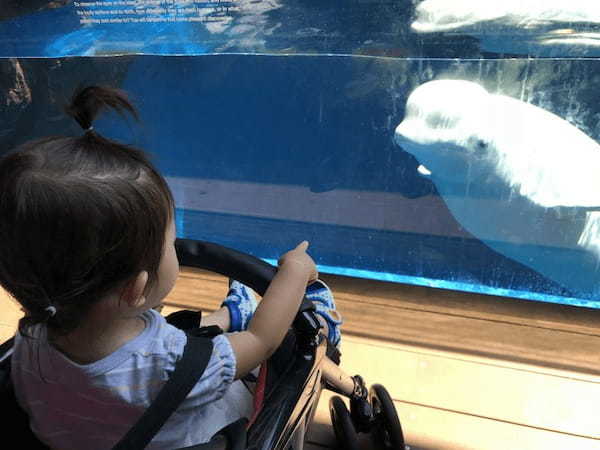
x: 465, y: 371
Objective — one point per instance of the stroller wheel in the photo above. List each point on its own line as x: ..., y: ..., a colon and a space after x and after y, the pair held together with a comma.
x: 342, y: 424
x: 386, y: 431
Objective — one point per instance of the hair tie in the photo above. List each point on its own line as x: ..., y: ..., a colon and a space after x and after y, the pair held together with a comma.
x: 51, y: 310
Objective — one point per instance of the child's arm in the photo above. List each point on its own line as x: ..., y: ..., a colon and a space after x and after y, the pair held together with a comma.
x: 220, y: 318
x: 275, y: 312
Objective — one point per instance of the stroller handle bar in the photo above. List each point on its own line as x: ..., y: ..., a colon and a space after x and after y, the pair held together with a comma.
x: 247, y: 269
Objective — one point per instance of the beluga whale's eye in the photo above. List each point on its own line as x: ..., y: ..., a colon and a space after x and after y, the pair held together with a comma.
x: 435, y: 120
x: 478, y: 146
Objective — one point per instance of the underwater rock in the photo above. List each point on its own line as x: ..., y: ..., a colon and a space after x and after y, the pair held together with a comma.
x: 15, y: 93
x: 521, y: 179
x: 14, y: 88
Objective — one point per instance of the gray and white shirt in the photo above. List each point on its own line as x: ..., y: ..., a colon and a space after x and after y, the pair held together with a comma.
x: 91, y: 406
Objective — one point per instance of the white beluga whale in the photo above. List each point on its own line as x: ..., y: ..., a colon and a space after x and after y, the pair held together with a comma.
x: 541, y: 27
x: 519, y: 178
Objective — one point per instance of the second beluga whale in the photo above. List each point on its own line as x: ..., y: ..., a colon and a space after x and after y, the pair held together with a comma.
x: 519, y: 178
x: 536, y: 27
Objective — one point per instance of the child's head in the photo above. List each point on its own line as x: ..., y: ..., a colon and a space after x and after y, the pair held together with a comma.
x: 80, y: 217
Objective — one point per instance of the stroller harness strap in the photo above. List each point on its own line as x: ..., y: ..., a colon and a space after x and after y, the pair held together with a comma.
x: 188, y: 371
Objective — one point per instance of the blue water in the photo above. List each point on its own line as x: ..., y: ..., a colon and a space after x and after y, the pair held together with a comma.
x: 275, y: 124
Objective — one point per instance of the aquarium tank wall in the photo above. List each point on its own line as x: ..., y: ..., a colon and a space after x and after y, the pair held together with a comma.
x: 452, y: 144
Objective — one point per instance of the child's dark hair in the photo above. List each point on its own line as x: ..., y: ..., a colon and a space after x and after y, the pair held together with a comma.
x: 79, y: 217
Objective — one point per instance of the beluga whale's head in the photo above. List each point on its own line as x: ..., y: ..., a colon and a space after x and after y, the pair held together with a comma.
x: 444, y: 129
x: 462, y: 133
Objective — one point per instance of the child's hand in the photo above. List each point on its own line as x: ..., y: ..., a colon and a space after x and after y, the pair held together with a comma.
x: 299, y: 258
x: 275, y: 312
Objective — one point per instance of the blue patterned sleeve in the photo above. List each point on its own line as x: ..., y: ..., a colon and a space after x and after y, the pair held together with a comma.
x: 218, y: 375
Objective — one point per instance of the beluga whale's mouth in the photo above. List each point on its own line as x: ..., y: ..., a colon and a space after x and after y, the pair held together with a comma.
x: 519, y: 178
x: 423, y: 170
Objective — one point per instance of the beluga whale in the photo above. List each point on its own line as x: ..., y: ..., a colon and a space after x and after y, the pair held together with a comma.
x: 519, y: 178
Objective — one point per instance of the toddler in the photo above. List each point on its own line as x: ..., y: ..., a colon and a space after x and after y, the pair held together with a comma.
x: 87, y: 248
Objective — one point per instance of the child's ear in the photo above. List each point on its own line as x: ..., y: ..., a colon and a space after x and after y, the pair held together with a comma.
x: 133, y: 293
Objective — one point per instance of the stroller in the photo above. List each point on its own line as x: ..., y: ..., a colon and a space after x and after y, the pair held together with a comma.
x: 289, y: 384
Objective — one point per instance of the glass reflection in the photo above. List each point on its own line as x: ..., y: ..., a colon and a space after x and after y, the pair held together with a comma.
x: 445, y: 143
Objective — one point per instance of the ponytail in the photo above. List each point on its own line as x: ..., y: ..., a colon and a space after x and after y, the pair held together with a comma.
x: 88, y: 102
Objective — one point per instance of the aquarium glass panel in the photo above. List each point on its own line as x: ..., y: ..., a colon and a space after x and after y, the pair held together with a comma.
x: 442, y: 143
